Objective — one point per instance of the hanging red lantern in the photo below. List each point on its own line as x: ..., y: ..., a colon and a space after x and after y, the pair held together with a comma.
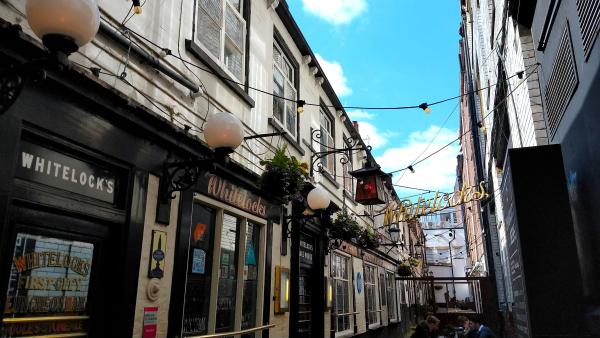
x: 370, y: 187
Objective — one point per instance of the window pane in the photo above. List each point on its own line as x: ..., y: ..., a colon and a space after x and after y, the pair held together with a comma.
x: 233, y: 59
x: 227, y: 274
x: 235, y: 3
x: 214, y: 10
x: 251, y: 260
x: 234, y: 28
x: 278, y: 103
x: 197, y: 291
x: 209, y: 33
x: 49, y: 276
x: 290, y: 111
x: 277, y: 56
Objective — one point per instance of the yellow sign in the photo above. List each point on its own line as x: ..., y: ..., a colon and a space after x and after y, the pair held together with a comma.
x: 407, y: 210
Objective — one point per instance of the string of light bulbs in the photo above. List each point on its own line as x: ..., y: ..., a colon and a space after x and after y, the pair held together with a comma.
x: 301, y: 103
x: 411, y: 167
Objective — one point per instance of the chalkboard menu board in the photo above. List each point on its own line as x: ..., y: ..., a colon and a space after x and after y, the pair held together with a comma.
x: 520, y: 311
x: 544, y: 269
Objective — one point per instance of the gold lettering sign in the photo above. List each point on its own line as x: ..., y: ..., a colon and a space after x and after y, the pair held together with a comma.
x: 47, y: 292
x: 407, y: 210
x: 236, y: 196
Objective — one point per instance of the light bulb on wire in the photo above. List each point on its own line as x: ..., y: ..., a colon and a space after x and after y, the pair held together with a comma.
x: 425, y: 107
x: 137, y: 8
x: 300, y: 104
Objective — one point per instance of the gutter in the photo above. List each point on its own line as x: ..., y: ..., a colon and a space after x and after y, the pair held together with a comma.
x: 146, y: 57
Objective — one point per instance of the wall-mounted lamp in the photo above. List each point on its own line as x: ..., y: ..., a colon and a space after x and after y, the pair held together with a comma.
x: 282, y: 290
x: 63, y: 26
x: 318, y: 200
x: 223, y: 132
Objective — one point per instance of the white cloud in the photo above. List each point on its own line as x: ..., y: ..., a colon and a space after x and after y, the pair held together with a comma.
x: 435, y: 173
x: 335, y: 74
x: 360, y: 115
x: 336, y: 12
x: 372, y: 136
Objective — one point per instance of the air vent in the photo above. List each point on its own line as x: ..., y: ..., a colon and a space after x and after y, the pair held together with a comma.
x: 562, y: 82
x: 589, y: 21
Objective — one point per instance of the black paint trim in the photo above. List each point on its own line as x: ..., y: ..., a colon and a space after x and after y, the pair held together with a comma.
x: 247, y: 14
x: 131, y: 246
x: 267, y: 277
x: 180, y: 256
x: 216, y: 70
x: 9, y: 140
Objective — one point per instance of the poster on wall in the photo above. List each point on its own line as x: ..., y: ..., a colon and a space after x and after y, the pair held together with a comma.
x: 198, y: 261
x: 150, y: 322
x: 157, y: 255
x: 48, y: 277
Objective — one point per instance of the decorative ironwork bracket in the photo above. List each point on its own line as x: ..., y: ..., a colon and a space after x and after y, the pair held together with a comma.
x: 316, y: 158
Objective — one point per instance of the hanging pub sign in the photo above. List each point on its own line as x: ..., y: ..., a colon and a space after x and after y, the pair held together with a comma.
x: 370, y: 187
x: 49, y: 277
x: 407, y: 210
x: 42, y: 165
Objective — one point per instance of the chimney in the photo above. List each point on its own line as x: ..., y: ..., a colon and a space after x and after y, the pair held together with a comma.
x: 355, y: 125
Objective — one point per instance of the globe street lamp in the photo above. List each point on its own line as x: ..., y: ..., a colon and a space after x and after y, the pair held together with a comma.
x: 63, y: 25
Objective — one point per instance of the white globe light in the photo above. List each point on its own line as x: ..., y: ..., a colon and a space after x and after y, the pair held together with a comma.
x: 318, y: 199
x: 75, y: 19
x: 223, y: 130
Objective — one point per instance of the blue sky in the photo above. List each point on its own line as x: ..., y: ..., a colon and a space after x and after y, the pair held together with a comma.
x: 393, y: 53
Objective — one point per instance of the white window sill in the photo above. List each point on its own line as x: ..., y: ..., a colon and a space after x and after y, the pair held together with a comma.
x: 344, y: 334
x: 374, y: 326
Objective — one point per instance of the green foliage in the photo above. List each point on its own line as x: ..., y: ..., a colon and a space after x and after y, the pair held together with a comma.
x: 284, y: 177
x: 344, y: 227
x: 368, y: 238
x: 405, y: 269
x: 414, y: 262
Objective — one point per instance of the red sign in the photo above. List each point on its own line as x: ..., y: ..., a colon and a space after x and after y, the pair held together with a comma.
x: 150, y: 322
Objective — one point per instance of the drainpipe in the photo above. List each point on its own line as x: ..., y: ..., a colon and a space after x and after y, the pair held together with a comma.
x: 146, y: 57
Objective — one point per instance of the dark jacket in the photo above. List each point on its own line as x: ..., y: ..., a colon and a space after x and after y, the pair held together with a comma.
x: 421, y: 331
x: 486, y: 332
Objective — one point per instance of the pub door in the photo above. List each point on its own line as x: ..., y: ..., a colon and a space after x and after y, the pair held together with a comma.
x: 307, y: 309
x: 60, y: 276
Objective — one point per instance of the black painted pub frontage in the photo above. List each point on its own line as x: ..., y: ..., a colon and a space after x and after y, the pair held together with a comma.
x: 76, y: 165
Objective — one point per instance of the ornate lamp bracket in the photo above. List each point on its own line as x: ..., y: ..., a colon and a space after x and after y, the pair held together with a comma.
x: 326, y: 150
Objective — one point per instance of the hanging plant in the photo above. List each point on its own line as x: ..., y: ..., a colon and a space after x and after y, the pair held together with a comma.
x: 368, y: 238
x: 284, y: 177
x: 414, y: 262
x: 344, y: 227
x: 405, y: 269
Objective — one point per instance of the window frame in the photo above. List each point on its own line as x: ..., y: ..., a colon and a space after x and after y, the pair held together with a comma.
x: 391, y: 291
x: 279, y: 42
x: 350, y: 275
x: 375, y: 295
x: 347, y: 168
x: 220, y: 60
x: 325, y: 113
x: 244, y: 217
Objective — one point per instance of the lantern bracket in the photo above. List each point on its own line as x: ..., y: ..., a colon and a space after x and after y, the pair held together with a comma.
x: 318, y: 156
x: 182, y: 175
